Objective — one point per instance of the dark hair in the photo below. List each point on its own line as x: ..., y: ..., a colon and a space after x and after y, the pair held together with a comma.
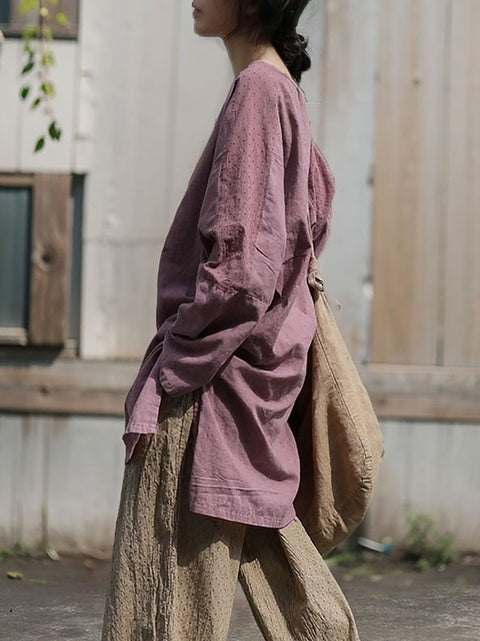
x: 277, y: 20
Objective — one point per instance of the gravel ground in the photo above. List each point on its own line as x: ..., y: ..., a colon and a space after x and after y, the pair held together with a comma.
x: 62, y: 600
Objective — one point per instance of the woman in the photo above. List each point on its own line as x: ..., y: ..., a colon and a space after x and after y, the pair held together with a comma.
x: 211, y: 466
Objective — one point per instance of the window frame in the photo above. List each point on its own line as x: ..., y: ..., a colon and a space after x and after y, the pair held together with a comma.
x: 50, y: 261
x: 14, y: 29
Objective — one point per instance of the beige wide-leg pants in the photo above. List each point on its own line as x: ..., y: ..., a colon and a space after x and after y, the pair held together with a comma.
x: 174, y: 573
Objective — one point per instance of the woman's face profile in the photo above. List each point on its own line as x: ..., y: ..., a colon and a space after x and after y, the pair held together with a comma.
x: 214, y: 17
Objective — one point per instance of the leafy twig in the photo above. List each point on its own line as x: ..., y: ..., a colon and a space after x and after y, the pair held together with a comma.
x: 39, y: 58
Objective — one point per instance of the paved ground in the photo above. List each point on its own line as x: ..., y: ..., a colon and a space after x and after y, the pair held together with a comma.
x: 62, y: 600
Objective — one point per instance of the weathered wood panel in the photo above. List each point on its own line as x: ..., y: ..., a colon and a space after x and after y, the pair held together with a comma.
x: 125, y: 122
x: 346, y: 137
x: 51, y: 469
x: 202, y: 75
x: 10, y: 444
x: 118, y: 308
x: 430, y: 393
x: 312, y: 26
x: 67, y: 386
x: 462, y: 186
x: 410, y: 148
x: 30, y: 462
x: 432, y: 469
x: 50, y: 258
x: 51, y: 472
x: 10, y: 56
x: 99, y: 388
x: 86, y: 462
x: 16, y: 180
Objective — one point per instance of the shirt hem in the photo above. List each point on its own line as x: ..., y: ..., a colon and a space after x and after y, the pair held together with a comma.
x: 228, y: 513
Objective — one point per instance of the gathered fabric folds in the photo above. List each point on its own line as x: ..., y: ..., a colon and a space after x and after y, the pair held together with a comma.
x: 174, y: 572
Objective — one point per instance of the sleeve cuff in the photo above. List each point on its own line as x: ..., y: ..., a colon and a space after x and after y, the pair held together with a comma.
x: 170, y: 387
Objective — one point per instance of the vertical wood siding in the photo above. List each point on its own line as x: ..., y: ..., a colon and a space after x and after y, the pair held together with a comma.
x: 409, y: 151
x: 347, y: 115
x: 462, y: 287
x: 426, y: 233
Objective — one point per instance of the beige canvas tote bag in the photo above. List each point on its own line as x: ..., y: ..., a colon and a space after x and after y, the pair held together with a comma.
x: 337, y: 432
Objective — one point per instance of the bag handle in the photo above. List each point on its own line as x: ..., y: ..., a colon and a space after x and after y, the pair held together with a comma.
x: 313, y: 275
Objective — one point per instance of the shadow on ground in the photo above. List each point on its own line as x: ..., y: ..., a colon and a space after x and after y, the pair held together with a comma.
x: 63, y: 600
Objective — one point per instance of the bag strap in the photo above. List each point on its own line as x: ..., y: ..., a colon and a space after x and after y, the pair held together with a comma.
x: 313, y: 276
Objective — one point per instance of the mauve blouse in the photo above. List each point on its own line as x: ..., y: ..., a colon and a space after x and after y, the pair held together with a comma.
x: 234, y: 314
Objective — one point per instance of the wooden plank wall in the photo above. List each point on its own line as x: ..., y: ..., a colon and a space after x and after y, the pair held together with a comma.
x: 409, y: 150
x: 429, y: 468
x: 346, y: 132
x: 391, y: 96
x: 56, y: 487
x: 155, y: 100
x: 50, y: 260
x: 462, y: 270
x: 426, y: 235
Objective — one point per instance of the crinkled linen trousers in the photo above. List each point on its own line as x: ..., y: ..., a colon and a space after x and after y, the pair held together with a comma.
x: 174, y: 572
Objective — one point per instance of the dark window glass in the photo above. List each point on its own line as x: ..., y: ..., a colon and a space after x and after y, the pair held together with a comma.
x: 4, y: 12
x: 15, y: 221
x: 76, y: 264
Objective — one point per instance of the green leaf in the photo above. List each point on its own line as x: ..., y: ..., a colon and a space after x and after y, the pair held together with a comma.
x: 54, y: 131
x: 12, y: 574
x: 29, y: 32
x: 48, y: 89
x: 61, y: 19
x: 28, y: 49
x: 47, y: 32
x: 28, y: 5
x: 28, y: 67
x: 35, y: 103
x: 39, y: 144
x: 24, y: 92
x: 47, y: 59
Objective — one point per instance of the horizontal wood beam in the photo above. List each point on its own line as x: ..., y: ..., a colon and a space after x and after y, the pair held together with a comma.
x: 99, y: 388
x: 16, y: 180
x: 67, y: 387
x: 429, y: 393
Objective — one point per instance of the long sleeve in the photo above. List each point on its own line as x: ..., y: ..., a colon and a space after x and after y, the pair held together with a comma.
x: 242, y: 230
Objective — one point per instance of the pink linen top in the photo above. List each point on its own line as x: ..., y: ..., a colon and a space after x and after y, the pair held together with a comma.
x: 235, y: 317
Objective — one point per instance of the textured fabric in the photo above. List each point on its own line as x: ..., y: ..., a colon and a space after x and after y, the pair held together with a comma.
x: 234, y: 314
x: 174, y: 572
x: 337, y: 432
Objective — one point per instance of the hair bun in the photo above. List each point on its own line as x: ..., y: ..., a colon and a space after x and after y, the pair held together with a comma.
x: 291, y: 47
x: 277, y: 22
